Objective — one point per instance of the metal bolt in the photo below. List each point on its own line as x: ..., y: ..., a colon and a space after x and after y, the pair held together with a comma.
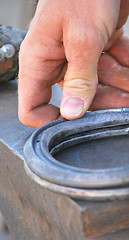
x: 9, y: 50
x: 2, y: 55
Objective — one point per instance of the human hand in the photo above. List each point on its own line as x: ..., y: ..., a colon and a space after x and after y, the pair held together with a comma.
x: 113, y: 74
x: 64, y: 44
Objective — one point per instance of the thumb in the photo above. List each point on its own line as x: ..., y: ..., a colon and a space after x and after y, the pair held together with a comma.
x: 81, y: 79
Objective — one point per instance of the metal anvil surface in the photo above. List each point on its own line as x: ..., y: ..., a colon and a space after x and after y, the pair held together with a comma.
x: 34, y: 213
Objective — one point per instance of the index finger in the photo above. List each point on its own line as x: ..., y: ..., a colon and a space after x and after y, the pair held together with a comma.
x: 40, y: 66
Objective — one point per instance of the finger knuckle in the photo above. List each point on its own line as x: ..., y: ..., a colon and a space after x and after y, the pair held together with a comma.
x: 23, y: 119
x: 80, y: 86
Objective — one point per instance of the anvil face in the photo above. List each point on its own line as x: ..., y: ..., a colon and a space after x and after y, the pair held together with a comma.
x: 104, y: 153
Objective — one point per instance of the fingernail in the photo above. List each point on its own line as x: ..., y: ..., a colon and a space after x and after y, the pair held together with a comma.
x: 72, y: 107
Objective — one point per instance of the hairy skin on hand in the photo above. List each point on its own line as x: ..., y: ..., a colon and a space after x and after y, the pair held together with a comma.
x: 63, y: 45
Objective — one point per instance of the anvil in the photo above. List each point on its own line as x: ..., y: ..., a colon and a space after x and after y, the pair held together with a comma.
x: 34, y: 211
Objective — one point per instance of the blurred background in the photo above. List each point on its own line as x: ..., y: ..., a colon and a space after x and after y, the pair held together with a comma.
x: 127, y: 28
x: 18, y: 14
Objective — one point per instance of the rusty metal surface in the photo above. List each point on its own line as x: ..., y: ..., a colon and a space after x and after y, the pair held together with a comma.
x: 115, y: 235
x: 9, y: 66
x: 35, y: 213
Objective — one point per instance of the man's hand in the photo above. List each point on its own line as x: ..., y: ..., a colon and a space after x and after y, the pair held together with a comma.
x: 113, y: 73
x: 64, y: 44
